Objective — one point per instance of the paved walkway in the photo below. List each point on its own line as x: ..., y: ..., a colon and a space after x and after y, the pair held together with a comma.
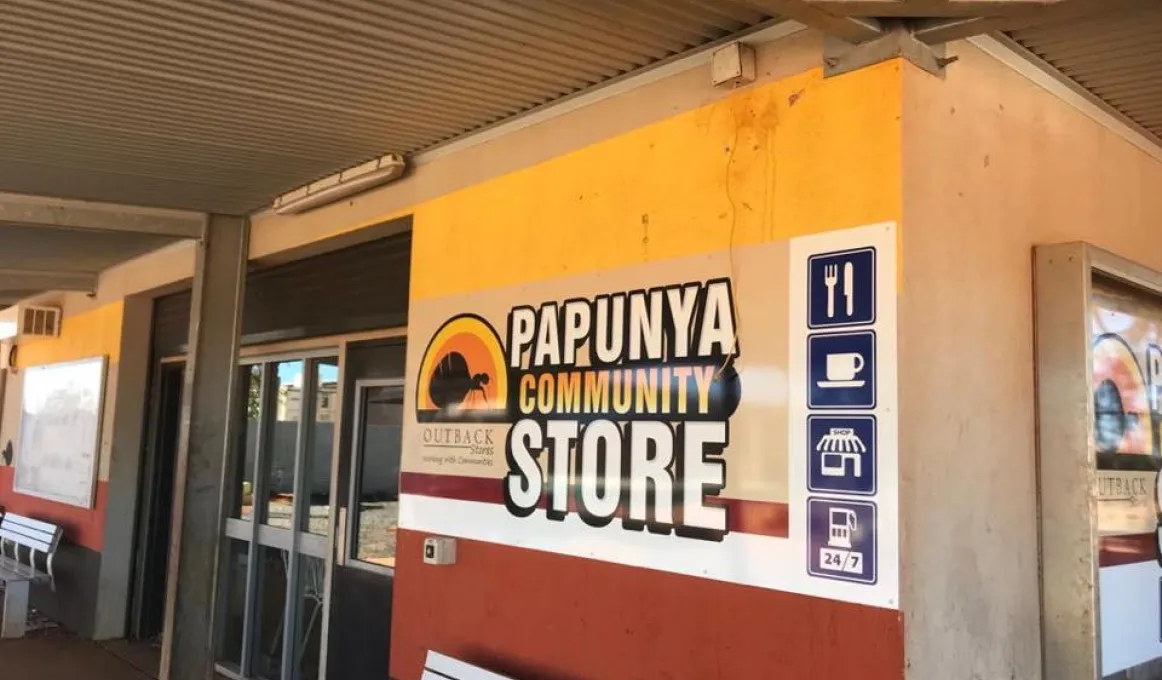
x: 58, y: 655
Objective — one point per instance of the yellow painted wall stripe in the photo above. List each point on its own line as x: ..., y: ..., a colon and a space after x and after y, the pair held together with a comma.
x: 89, y: 334
x: 798, y: 156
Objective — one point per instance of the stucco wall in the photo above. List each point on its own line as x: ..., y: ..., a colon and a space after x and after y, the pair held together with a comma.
x: 992, y: 165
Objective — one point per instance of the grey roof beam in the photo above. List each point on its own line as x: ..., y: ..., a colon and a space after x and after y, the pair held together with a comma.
x: 32, y: 279
x: 849, y: 28
x: 937, y: 30
x: 42, y: 211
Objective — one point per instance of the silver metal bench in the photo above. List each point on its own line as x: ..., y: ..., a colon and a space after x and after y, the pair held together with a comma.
x: 442, y: 667
x: 25, y: 545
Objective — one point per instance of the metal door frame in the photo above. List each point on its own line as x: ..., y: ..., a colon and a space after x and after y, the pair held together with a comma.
x: 349, y: 527
x: 293, y: 541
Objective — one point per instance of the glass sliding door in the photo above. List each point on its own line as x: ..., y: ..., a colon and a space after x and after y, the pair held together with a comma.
x: 280, y: 520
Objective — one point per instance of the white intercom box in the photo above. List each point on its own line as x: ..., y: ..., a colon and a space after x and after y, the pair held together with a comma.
x: 438, y: 550
x: 732, y: 64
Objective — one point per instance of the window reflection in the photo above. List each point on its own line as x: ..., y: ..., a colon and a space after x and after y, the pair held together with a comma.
x: 316, y: 511
x: 273, y: 570
x: 376, y: 510
x: 236, y: 559
x: 311, y: 598
x: 247, y: 443
x: 279, y: 475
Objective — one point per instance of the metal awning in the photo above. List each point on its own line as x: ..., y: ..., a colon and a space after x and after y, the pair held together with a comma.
x: 220, y: 105
x: 50, y: 244
x: 1116, y: 55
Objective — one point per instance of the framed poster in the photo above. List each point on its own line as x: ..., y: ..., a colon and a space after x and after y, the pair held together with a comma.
x: 60, y: 431
x: 1099, y: 375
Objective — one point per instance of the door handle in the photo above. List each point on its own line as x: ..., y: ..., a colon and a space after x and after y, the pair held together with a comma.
x: 341, y: 539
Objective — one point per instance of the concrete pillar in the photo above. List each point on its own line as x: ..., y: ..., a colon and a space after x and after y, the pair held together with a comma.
x: 215, y: 326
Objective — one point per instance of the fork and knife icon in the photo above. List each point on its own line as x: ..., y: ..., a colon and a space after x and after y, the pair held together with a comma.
x: 831, y: 278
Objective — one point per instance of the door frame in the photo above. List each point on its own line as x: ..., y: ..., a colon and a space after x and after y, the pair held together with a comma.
x: 350, y: 528
x: 294, y: 541
x: 147, y: 520
x: 323, y: 346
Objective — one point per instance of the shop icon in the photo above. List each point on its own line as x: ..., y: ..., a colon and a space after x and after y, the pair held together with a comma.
x: 841, y: 540
x: 842, y: 454
x: 841, y: 370
x: 841, y: 288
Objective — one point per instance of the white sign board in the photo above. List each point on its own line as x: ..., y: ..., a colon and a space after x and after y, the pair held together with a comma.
x: 60, y: 429
x: 628, y: 416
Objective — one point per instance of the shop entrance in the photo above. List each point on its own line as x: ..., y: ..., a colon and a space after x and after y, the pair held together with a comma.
x: 312, y: 508
x: 279, y: 518
x: 359, y: 639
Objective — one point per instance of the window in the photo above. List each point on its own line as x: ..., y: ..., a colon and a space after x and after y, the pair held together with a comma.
x: 315, y: 512
x: 375, y: 487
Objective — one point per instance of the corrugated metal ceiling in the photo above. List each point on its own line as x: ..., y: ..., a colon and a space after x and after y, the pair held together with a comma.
x: 49, y: 253
x: 219, y: 105
x: 1116, y: 55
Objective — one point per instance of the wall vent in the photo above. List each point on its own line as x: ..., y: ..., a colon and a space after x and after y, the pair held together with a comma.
x: 40, y: 322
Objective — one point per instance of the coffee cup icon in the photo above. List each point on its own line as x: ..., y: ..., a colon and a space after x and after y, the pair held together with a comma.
x: 844, y: 367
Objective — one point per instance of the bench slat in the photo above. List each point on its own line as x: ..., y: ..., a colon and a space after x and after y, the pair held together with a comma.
x: 30, y: 533
x: 31, y: 523
x: 36, y: 544
x: 442, y: 667
x: 22, y: 530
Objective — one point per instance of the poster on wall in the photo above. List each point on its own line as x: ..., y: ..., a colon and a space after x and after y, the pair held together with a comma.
x: 1127, y: 433
x: 60, y: 430
x: 728, y: 416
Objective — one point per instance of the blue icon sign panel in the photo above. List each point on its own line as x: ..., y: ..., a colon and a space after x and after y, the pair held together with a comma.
x: 841, y: 370
x: 842, y: 451
x: 841, y: 289
x: 841, y: 540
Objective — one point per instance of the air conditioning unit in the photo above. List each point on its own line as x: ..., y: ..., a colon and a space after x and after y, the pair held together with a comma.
x: 38, y: 322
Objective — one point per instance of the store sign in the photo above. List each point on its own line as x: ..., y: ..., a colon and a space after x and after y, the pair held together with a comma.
x: 656, y: 416
x: 1126, y: 390
x: 619, y: 404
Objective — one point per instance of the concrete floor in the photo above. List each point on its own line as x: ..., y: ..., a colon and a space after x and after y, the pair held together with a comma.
x: 59, y: 655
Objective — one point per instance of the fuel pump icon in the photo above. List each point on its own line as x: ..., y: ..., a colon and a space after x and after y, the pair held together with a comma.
x: 841, y: 526
x: 841, y: 539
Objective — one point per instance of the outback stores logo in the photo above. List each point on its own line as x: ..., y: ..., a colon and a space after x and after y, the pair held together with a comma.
x: 618, y: 406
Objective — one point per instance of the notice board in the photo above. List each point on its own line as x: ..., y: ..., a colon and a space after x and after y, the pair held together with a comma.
x: 60, y: 430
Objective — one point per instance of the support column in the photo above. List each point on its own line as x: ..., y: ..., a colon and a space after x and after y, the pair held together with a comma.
x: 215, y: 325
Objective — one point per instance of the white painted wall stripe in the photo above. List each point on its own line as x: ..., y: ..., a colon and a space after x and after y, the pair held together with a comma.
x: 745, y: 559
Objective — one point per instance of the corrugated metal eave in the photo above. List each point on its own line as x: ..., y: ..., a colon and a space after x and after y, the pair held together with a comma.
x: 1116, y: 56
x: 211, y: 105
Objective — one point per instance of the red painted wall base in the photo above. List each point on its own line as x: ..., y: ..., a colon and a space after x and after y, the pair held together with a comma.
x: 542, y: 616
x: 83, y: 526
